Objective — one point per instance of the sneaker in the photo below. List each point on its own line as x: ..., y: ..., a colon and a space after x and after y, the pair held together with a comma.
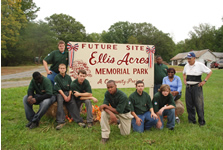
x: 178, y: 120
x: 34, y: 125
x: 104, y: 140
x: 172, y: 128
x: 81, y: 124
x: 202, y: 124
x: 28, y: 124
x: 59, y: 126
x: 89, y: 124
x: 118, y: 123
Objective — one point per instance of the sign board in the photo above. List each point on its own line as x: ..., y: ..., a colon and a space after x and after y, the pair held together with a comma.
x: 123, y: 63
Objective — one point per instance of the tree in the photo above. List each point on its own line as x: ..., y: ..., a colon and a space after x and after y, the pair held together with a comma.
x: 219, y: 40
x: 12, y: 20
x: 37, y: 41
x: 67, y: 28
x: 95, y: 37
x: 29, y: 8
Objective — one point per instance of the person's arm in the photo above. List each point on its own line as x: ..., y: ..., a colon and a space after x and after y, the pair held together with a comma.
x: 77, y: 94
x: 184, y: 78
x: 45, y: 64
x: 113, y: 118
x: 205, y: 80
x: 153, y: 115
x: 138, y: 120
x: 104, y: 107
x: 64, y: 96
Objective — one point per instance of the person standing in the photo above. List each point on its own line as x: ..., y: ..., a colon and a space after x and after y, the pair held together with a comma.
x: 64, y: 96
x: 116, y: 106
x: 142, y: 109
x: 160, y: 71
x: 55, y: 58
x: 164, y: 105
x: 82, y: 92
x: 192, y: 73
x: 175, y: 84
x: 40, y: 93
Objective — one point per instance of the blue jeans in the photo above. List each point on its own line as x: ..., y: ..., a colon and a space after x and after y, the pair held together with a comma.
x: 156, y: 87
x: 52, y: 76
x: 146, y: 124
x: 43, y: 107
x: 170, y: 113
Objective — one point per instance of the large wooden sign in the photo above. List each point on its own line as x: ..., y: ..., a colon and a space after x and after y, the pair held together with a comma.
x: 124, y: 63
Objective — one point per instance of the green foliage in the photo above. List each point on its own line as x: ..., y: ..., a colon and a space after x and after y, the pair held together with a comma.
x: 12, y: 20
x: 67, y: 28
x: 29, y: 8
x: 14, y: 134
x: 94, y: 37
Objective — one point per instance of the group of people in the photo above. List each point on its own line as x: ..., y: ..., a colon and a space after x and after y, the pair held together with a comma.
x: 138, y: 110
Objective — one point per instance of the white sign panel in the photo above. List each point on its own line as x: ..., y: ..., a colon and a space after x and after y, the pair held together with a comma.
x: 124, y: 63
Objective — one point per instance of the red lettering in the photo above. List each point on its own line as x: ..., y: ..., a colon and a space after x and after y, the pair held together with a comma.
x: 114, y: 47
x: 83, y: 45
x: 127, y: 47
x: 141, y: 48
x: 90, y: 46
x: 91, y: 61
x: 103, y: 46
x: 108, y: 46
x: 96, y: 46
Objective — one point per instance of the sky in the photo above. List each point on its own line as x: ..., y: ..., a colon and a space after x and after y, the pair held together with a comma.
x: 176, y: 17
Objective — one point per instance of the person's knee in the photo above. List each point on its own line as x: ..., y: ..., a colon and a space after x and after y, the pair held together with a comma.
x: 25, y: 99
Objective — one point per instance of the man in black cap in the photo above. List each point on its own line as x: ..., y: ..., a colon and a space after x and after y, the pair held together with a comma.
x: 40, y: 93
x: 192, y: 73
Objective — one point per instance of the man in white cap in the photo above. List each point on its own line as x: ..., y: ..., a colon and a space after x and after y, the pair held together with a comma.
x: 192, y: 73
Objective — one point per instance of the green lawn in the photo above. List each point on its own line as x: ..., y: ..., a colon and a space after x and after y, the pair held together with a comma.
x: 14, y: 134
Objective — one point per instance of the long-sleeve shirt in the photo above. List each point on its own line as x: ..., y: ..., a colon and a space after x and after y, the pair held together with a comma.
x: 175, y: 85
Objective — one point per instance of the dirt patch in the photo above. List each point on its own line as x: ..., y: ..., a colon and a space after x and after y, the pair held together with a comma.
x: 17, y: 69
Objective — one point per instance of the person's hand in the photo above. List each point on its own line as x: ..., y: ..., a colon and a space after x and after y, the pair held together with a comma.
x: 94, y: 99
x: 32, y: 101
x: 49, y: 72
x: 201, y: 83
x: 160, y: 112
x: 66, y: 98
x: 76, y: 93
x: 138, y: 121
x: 29, y: 99
x: 113, y: 118
x: 154, y: 116
x: 159, y: 124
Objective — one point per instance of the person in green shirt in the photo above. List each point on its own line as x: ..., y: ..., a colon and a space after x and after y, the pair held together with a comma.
x: 64, y: 96
x: 40, y: 93
x: 160, y: 71
x: 55, y: 58
x: 115, y: 107
x: 164, y: 105
x: 142, y: 109
x: 82, y: 92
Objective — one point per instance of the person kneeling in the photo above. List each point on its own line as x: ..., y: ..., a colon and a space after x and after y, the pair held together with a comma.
x: 142, y: 109
x: 164, y: 105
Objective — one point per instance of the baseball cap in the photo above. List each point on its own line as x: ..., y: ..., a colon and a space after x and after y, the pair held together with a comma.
x: 190, y: 55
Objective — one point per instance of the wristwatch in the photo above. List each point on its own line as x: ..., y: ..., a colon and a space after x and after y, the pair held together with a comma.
x: 205, y: 80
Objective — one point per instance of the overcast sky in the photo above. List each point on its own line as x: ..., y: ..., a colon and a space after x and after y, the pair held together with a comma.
x: 176, y: 17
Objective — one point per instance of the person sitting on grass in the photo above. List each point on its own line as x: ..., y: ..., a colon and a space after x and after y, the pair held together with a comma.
x: 164, y: 105
x: 82, y: 92
x: 175, y: 84
x: 64, y: 96
x: 40, y: 93
x: 119, y: 109
x: 142, y: 109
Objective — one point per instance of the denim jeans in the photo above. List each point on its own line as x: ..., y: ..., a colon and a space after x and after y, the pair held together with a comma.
x: 43, y: 107
x: 156, y: 87
x: 170, y: 113
x: 52, y: 76
x: 146, y: 124
x: 195, y: 100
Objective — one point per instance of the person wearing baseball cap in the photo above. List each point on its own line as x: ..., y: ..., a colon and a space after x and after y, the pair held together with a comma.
x: 192, y: 73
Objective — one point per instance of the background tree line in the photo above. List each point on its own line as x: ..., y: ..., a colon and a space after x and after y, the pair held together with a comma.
x: 23, y: 39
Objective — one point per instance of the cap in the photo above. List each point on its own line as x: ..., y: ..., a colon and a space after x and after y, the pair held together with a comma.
x: 190, y: 55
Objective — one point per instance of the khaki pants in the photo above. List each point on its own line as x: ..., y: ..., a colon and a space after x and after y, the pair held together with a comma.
x: 179, y: 107
x: 125, y: 123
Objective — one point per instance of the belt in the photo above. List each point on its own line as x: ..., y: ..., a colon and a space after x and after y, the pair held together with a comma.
x: 192, y: 85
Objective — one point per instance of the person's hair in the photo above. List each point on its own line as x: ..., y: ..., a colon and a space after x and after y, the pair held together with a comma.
x: 164, y: 87
x: 82, y: 71
x: 111, y: 81
x: 139, y: 81
x: 36, y: 75
x: 171, y: 69
x: 158, y: 56
x: 61, y: 42
x: 62, y: 64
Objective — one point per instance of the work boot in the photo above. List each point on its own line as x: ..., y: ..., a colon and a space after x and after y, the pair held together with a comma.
x: 178, y: 120
x: 28, y: 124
x: 59, y: 126
x: 104, y: 140
x: 89, y: 124
x: 81, y: 124
x: 34, y: 125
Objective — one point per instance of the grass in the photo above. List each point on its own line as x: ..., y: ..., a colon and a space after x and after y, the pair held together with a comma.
x: 14, y: 134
